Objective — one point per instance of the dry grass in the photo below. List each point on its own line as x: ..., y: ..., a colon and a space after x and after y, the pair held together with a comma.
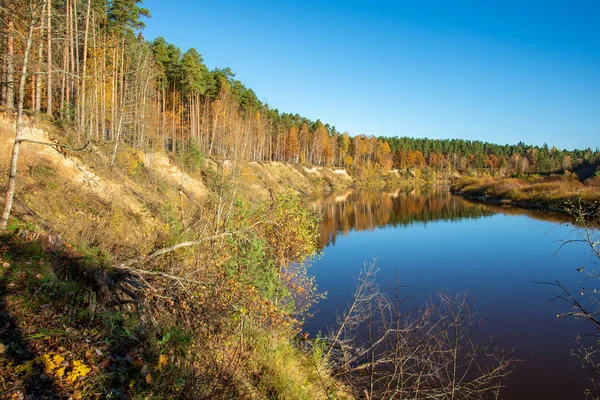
x: 533, y: 190
x: 120, y: 210
x: 282, y: 371
x: 124, y: 212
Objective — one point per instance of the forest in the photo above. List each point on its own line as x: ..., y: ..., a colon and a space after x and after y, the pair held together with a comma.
x: 120, y: 280
x: 87, y: 63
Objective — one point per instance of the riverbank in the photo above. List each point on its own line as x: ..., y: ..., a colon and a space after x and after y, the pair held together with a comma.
x: 139, y: 273
x: 156, y: 275
x: 553, y: 192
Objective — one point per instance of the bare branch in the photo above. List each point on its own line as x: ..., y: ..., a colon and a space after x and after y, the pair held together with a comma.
x: 425, y: 353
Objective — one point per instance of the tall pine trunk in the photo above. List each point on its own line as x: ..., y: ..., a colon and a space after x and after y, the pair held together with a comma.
x: 83, y: 78
x: 49, y: 57
x: 38, y: 73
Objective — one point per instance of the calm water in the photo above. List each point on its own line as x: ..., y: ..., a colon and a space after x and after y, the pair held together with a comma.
x: 436, y: 241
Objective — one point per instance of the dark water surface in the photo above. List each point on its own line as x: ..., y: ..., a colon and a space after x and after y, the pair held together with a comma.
x: 436, y: 241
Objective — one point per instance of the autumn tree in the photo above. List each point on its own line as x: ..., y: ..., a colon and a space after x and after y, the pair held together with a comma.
x: 29, y: 16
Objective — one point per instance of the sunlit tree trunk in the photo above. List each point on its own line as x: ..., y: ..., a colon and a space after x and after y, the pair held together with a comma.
x: 10, y: 67
x: 82, y: 96
x: 38, y: 76
x: 63, y: 81
x: 49, y: 57
x: 76, y: 66
x: 12, y: 176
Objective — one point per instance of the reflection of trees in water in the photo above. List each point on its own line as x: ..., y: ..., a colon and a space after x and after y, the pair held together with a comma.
x: 368, y: 209
x: 541, y: 215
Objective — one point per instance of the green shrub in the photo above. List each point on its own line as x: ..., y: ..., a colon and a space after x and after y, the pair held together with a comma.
x: 193, y: 159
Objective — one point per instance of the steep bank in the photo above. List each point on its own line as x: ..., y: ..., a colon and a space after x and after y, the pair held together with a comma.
x: 55, y: 185
x: 88, y: 168
x: 260, y: 178
x: 97, y: 299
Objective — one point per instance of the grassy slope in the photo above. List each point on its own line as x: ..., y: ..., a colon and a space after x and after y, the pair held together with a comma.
x: 89, y: 203
x: 59, y: 340
x: 64, y: 332
x: 549, y: 192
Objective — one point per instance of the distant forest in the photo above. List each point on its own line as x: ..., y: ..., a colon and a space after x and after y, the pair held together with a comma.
x: 85, y: 63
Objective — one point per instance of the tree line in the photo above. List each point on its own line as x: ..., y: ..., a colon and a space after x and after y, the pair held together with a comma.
x: 86, y: 63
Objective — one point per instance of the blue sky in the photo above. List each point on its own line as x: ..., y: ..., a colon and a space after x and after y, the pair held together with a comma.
x: 496, y: 71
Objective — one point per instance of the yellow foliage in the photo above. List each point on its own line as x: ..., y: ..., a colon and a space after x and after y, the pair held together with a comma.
x: 60, y: 372
x: 130, y: 160
x: 79, y: 370
x: 163, y: 360
x: 26, y: 367
x: 55, y: 366
x: 293, y: 234
x: 52, y: 364
x: 348, y: 161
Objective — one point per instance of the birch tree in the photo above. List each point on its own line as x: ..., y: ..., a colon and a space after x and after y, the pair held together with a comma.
x: 30, y: 19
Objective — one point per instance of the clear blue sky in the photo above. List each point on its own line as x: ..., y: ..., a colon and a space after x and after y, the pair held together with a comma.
x: 499, y: 71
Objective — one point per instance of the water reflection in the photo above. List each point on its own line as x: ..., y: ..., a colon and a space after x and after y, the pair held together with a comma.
x: 435, y: 241
x: 540, y: 215
x: 369, y: 209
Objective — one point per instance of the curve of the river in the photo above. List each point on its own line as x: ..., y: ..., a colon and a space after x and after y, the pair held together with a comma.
x: 436, y: 241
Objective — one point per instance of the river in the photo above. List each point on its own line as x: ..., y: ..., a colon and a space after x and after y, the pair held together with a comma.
x: 435, y: 241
